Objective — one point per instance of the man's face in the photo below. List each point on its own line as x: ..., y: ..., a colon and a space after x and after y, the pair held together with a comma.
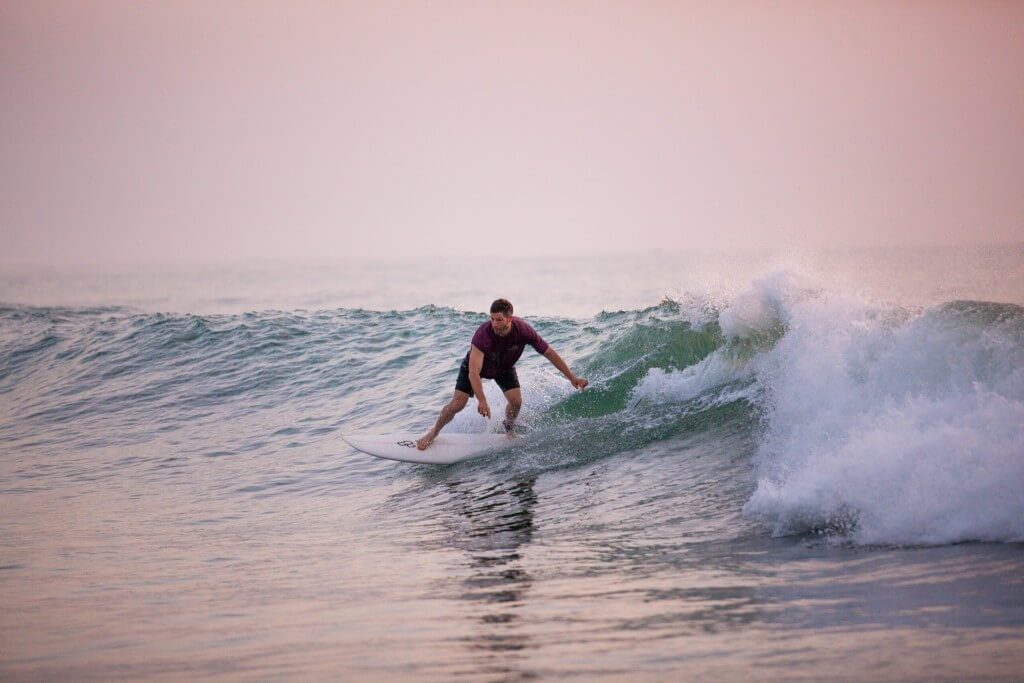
x: 501, y: 323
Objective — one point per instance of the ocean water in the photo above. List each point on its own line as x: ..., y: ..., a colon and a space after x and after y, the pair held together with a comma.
x: 787, y: 467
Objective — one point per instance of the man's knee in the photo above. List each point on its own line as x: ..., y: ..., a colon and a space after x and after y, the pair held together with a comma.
x: 515, y: 399
x: 458, y: 401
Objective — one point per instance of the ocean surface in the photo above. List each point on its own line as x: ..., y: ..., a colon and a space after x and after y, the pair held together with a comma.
x: 787, y: 467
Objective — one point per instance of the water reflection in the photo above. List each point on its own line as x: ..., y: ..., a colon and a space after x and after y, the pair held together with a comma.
x: 492, y: 525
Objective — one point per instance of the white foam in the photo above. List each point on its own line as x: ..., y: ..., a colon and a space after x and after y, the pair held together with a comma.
x: 910, y: 424
x: 716, y: 370
x: 763, y: 306
x: 758, y: 310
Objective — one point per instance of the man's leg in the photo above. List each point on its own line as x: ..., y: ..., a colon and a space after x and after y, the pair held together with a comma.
x: 515, y: 402
x: 457, y: 403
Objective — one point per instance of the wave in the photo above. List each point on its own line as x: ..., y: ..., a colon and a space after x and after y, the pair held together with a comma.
x: 871, y: 423
x: 888, y: 426
x: 877, y: 424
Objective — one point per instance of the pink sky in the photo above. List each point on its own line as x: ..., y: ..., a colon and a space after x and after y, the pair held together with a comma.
x: 197, y: 131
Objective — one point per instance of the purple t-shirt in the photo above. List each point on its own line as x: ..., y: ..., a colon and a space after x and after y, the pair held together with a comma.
x: 501, y: 353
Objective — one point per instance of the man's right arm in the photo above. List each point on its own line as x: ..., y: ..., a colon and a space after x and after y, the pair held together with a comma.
x: 476, y: 364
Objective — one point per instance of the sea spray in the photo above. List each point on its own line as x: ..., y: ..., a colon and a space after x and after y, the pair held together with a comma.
x: 894, y: 427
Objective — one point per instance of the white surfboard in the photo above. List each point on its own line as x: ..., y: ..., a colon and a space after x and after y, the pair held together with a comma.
x: 446, y: 449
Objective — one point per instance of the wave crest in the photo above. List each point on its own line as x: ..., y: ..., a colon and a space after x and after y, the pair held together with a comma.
x: 909, y: 423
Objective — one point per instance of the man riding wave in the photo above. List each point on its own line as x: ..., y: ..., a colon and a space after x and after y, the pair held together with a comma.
x: 493, y: 353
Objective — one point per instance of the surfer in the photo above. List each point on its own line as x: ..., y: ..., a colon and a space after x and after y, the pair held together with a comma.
x: 493, y: 353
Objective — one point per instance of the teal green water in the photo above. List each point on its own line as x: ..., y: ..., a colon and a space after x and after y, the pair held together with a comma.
x: 790, y: 476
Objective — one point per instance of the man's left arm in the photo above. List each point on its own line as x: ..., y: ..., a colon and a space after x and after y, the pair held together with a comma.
x: 557, y: 361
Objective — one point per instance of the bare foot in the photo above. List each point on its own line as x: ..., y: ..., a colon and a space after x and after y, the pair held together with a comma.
x: 424, y: 443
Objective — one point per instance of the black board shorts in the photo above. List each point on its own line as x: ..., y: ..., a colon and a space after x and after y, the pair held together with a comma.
x: 506, y: 380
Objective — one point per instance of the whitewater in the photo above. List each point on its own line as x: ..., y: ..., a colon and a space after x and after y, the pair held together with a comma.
x: 800, y: 467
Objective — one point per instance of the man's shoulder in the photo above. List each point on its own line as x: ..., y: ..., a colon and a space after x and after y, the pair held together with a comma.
x: 519, y: 322
x: 522, y: 326
x: 528, y: 335
x: 482, y: 335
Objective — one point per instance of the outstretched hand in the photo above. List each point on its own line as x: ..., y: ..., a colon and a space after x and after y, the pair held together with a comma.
x: 484, y: 409
x: 579, y: 383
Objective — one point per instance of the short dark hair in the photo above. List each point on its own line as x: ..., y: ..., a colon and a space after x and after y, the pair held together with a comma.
x: 502, y: 306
